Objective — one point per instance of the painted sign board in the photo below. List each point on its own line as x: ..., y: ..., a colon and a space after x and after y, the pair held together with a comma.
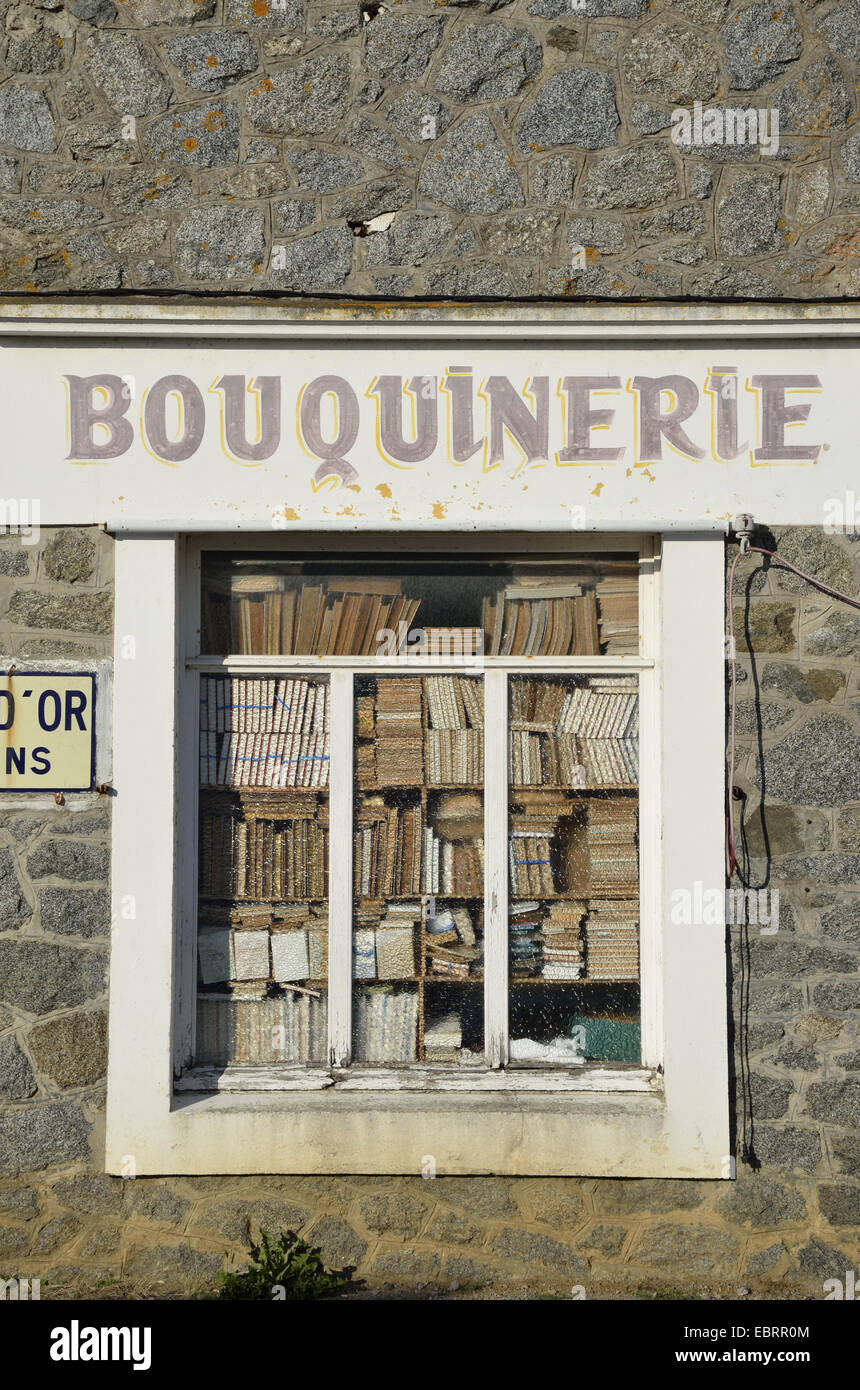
x: 47, y: 731
x: 447, y: 434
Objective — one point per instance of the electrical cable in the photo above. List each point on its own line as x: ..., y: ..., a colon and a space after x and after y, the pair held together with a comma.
x: 731, y: 851
x: 747, y: 1144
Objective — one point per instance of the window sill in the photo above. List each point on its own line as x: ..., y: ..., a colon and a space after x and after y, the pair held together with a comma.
x: 421, y: 1080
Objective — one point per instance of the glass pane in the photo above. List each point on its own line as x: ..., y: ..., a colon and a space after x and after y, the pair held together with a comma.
x: 574, y: 869
x: 419, y: 870
x: 263, y: 870
x: 458, y: 607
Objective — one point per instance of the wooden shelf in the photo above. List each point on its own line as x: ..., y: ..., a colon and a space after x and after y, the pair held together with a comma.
x: 259, y: 902
x: 517, y: 982
x: 563, y: 787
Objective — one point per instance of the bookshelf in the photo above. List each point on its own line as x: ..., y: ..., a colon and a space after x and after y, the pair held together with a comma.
x: 407, y: 734
x: 265, y: 606
x: 418, y: 816
x: 263, y: 869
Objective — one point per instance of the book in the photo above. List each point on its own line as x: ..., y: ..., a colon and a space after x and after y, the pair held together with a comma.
x: 290, y: 959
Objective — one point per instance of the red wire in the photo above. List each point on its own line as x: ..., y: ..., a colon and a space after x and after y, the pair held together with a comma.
x: 731, y: 855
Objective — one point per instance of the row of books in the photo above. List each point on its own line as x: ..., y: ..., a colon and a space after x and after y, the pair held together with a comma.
x: 530, y: 863
x: 249, y: 1029
x: 454, y: 702
x: 263, y: 858
x: 264, y: 732
x: 270, y: 705
x: 300, y: 759
x: 450, y: 757
x: 249, y: 613
x: 593, y: 706
x: 452, y: 866
x: 385, y: 1023
x: 227, y: 953
x: 455, y: 756
x: 568, y: 760
x: 537, y: 618
x: 387, y: 858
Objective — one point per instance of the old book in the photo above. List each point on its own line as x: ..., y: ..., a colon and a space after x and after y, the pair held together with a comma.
x: 364, y: 954
x: 395, y: 952
x: 251, y: 955
x: 308, y: 612
x: 214, y: 955
x: 290, y: 960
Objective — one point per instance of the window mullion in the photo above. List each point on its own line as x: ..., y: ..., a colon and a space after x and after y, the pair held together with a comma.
x: 340, y: 869
x: 496, y: 866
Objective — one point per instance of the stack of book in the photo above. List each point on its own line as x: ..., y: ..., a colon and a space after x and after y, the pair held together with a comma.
x: 385, y: 1027
x: 610, y: 835
x: 266, y: 859
x: 453, y: 866
x: 455, y: 740
x: 532, y: 843
x: 618, y: 610
x: 585, y: 734
x: 612, y: 937
x: 250, y: 614
x: 603, y: 712
x: 387, y: 852
x: 451, y: 943
x: 365, y: 747
x: 443, y: 1039
x: 255, y: 1030
x: 263, y: 733
x: 524, y: 922
x: 455, y: 758
x: 562, y: 941
x: 399, y: 733
x: 536, y: 617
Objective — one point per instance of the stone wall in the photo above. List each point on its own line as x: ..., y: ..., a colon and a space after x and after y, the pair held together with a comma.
x: 457, y: 148
x: 789, y: 1221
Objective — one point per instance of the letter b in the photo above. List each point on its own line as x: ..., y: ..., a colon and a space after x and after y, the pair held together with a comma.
x: 85, y: 417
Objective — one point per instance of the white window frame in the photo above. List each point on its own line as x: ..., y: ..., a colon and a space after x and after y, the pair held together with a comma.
x: 668, y: 1117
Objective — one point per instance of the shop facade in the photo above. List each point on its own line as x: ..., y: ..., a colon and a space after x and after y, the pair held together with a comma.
x: 386, y: 674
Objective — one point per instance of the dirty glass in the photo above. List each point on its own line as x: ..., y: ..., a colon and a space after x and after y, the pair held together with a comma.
x: 418, y: 925
x: 264, y: 605
x: 574, y: 869
x: 262, y: 944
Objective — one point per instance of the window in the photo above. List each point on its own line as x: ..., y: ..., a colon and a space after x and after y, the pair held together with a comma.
x: 401, y: 822
x: 426, y: 955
